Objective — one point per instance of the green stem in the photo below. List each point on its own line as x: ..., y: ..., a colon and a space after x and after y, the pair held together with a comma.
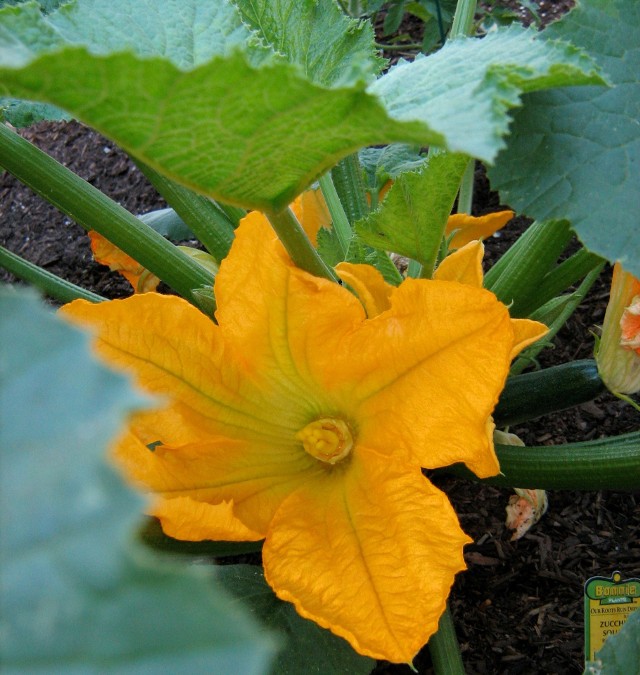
x: 95, y: 211
x: 564, y: 275
x: 444, y: 647
x: 414, y: 271
x: 530, y: 353
x: 49, y: 283
x: 517, y: 276
x: 604, y: 464
x: 463, y: 19
x: 210, y: 225
x: 338, y: 215
x: 349, y: 183
x: 465, y: 195
x: 297, y: 244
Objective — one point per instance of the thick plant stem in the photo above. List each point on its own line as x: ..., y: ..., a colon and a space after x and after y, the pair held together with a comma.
x: 444, y: 647
x: 211, y: 226
x: 465, y: 195
x: 298, y: 246
x: 48, y: 283
x: 463, y: 18
x: 93, y: 210
x: 461, y: 26
x: 349, y: 184
x: 338, y: 216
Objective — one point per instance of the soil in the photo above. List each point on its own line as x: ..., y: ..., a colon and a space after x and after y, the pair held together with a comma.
x: 519, y: 607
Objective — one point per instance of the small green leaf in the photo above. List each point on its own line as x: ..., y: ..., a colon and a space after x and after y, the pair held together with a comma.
x: 387, y: 163
x: 619, y: 655
x: 309, y: 648
x: 75, y: 594
x: 412, y: 218
x: 575, y: 154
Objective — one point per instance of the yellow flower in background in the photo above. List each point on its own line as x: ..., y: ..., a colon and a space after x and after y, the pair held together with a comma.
x: 142, y: 280
x: 466, y: 228
x: 304, y: 418
x: 618, y: 353
x: 106, y: 253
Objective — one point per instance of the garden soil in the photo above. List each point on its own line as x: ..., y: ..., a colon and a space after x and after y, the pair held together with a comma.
x: 519, y: 606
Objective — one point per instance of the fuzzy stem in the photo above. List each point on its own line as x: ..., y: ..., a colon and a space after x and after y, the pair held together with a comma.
x: 211, y: 226
x: 463, y: 19
x: 349, y: 184
x: 444, y: 647
x: 297, y: 244
x: 338, y: 215
x: 93, y: 210
x: 48, y: 283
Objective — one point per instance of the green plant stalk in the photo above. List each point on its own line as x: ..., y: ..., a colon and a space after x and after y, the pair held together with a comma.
x: 297, y: 244
x: 338, y: 216
x: 414, y: 270
x: 211, y: 226
x: 444, y: 647
x: 564, y: 275
x: 531, y: 352
x: 49, y: 283
x: 234, y: 213
x: 516, y: 277
x: 349, y: 183
x: 463, y: 19
x: 93, y: 210
x: 465, y: 194
x: 603, y: 464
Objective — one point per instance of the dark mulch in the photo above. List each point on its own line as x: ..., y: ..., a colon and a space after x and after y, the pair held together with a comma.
x: 518, y: 609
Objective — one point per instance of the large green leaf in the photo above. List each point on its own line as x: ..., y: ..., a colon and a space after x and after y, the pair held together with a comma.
x: 76, y: 595
x: 308, y: 648
x: 574, y: 154
x: 619, y: 655
x: 412, y: 218
x: 257, y: 135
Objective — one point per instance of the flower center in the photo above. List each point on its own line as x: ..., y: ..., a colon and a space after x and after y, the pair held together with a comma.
x: 327, y: 439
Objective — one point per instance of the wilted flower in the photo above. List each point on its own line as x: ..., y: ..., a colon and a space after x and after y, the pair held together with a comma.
x: 618, y: 353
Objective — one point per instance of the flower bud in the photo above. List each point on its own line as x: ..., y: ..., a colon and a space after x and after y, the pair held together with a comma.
x: 618, y: 353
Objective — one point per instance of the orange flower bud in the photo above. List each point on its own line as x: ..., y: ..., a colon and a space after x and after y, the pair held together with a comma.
x: 618, y: 354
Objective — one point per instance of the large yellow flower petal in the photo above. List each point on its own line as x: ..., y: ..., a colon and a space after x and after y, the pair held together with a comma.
x: 369, y: 285
x: 172, y: 348
x: 467, y: 228
x: 255, y: 477
x: 463, y: 265
x: 369, y: 551
x: 191, y: 520
x: 224, y: 433
x: 423, y: 377
x: 277, y: 315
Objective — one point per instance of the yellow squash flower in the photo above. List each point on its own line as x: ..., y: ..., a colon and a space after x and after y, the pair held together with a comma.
x: 117, y: 260
x: 142, y: 280
x: 304, y: 419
